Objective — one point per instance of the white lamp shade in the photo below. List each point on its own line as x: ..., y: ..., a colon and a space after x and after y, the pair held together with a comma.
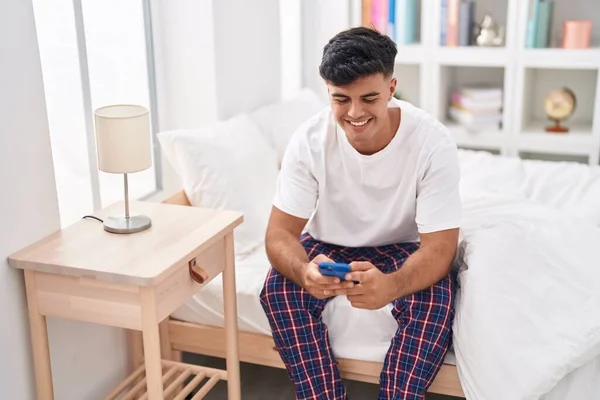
x: 123, y: 138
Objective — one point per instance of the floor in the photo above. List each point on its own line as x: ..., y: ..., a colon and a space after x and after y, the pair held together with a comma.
x: 265, y: 383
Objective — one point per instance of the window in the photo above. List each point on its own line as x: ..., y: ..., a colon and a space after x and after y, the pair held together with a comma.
x: 93, y: 53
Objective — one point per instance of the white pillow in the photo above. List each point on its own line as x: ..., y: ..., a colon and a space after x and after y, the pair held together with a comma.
x: 279, y: 121
x: 568, y: 186
x: 483, y: 171
x: 227, y: 165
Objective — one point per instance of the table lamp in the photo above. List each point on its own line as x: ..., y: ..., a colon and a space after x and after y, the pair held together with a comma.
x: 124, y: 146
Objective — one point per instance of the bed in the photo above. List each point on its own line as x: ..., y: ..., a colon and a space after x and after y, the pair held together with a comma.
x: 527, y: 324
x: 197, y: 327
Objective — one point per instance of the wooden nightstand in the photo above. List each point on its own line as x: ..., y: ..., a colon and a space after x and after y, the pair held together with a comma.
x: 134, y: 281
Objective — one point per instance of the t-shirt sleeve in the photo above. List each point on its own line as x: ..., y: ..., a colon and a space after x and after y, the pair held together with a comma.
x: 438, y: 195
x: 297, y: 188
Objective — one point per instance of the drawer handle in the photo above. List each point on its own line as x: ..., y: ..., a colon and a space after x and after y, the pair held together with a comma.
x: 196, y: 272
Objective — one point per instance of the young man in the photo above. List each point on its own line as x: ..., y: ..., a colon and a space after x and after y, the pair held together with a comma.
x: 376, y: 179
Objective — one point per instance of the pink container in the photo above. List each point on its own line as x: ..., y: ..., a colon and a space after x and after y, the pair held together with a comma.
x: 577, y: 34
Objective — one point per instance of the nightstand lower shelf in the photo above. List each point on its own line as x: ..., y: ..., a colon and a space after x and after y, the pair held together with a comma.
x: 174, y: 376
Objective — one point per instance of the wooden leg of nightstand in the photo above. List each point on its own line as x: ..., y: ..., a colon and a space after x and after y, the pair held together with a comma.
x: 167, y: 353
x: 136, y: 345
x: 151, y: 336
x: 231, y: 325
x: 39, y: 342
x: 166, y: 350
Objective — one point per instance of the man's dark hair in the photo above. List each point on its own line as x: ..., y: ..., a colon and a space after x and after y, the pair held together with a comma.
x: 355, y: 53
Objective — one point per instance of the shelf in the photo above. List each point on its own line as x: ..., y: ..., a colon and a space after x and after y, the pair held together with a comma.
x: 561, y: 58
x: 472, y: 56
x: 483, y: 140
x: 429, y: 72
x: 579, y: 141
x: 174, y: 376
x: 410, y: 54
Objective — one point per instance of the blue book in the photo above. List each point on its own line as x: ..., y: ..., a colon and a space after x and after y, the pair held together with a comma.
x: 392, y: 19
x: 544, y: 23
x: 465, y: 22
x: 399, y: 21
x: 443, y: 22
x: 411, y: 21
x: 532, y: 20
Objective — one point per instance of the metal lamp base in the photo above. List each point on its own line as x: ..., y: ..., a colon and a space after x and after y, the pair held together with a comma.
x: 134, y: 224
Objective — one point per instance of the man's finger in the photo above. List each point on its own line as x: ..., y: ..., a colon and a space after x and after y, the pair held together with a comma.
x: 341, y: 285
x: 331, y: 289
x: 361, y: 266
x: 352, y: 291
x: 322, y: 280
x: 356, y: 298
x: 321, y: 258
x: 357, y: 301
x: 356, y: 276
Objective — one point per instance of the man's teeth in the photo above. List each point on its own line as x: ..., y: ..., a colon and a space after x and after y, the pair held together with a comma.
x: 359, y: 123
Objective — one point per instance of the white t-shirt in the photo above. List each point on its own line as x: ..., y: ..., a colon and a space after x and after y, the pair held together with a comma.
x: 409, y: 187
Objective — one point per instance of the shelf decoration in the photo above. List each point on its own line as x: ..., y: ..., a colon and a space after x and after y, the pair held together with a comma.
x: 489, y: 33
x: 577, y: 34
x: 477, y: 108
x: 559, y: 105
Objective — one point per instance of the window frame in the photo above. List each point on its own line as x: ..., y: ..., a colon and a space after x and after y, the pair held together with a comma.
x: 89, y: 112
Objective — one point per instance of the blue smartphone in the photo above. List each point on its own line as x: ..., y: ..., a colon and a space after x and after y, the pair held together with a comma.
x: 338, y: 270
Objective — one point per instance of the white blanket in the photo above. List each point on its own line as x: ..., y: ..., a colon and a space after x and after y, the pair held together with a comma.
x: 528, y: 309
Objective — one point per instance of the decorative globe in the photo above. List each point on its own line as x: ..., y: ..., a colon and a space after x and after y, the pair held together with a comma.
x: 559, y: 105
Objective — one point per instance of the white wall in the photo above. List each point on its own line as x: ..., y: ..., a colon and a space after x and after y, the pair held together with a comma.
x: 321, y: 20
x: 247, y: 55
x: 212, y: 63
x: 185, y: 71
x: 291, y: 47
x: 87, y: 359
x: 184, y: 56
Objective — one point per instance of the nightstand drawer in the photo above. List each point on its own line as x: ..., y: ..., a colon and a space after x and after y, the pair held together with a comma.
x: 180, y: 287
x: 90, y: 300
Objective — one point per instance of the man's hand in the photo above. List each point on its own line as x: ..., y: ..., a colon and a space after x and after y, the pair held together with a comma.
x: 321, y: 286
x: 374, y: 289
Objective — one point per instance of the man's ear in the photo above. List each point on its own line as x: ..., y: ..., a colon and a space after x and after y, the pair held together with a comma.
x: 393, y: 83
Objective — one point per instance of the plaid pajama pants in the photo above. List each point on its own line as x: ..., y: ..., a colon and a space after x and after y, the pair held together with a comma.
x: 416, y: 352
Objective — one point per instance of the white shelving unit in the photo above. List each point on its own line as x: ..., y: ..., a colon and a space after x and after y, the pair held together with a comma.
x: 427, y: 72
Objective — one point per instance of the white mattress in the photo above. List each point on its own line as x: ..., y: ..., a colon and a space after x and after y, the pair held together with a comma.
x: 354, y: 333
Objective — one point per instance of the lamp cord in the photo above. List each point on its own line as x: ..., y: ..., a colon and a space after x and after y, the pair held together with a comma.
x: 92, y: 217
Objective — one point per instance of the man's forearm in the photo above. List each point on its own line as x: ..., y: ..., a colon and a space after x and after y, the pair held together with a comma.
x: 422, y: 269
x: 286, y: 254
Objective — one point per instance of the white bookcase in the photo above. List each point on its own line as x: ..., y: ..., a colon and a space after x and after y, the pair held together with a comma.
x: 428, y: 72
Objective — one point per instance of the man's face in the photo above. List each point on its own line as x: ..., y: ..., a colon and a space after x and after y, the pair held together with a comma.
x: 361, y: 109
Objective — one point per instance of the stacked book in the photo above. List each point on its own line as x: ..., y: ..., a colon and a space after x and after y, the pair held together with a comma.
x: 539, y: 23
x: 457, y: 23
x: 399, y: 19
x: 477, y: 108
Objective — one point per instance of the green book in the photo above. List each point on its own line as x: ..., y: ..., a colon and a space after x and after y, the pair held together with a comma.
x: 544, y: 23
